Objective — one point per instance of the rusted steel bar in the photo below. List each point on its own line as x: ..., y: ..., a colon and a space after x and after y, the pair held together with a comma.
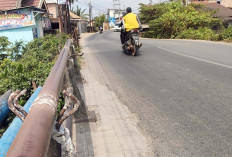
x: 18, y: 106
x: 63, y: 116
x: 12, y: 107
x: 66, y: 106
x: 34, y: 136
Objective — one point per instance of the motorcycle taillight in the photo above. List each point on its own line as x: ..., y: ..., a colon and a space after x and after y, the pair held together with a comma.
x: 135, y: 30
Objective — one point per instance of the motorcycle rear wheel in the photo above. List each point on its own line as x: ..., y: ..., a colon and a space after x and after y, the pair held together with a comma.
x: 136, y: 50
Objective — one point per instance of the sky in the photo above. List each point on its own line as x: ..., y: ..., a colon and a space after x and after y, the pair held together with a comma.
x: 101, y: 6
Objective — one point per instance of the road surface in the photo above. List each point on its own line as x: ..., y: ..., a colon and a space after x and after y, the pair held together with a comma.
x: 180, y: 89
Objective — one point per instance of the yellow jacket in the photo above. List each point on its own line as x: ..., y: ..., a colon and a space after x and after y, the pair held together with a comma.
x: 130, y: 21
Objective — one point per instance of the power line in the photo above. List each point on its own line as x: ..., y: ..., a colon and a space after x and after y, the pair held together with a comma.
x: 95, y: 7
x: 100, y: 5
x: 85, y: 2
x: 115, y: 4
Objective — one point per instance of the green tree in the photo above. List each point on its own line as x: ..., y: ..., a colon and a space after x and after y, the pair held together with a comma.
x: 99, y: 20
x: 15, y: 52
x: 168, y: 20
x: 35, y: 64
x: 151, y: 12
x: 71, y: 2
x: 4, y: 43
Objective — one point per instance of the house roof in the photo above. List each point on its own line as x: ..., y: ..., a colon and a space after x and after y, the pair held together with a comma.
x: 74, y: 16
x: 8, y: 4
x: 222, y: 12
x: 32, y: 7
x: 13, y: 4
x: 36, y: 3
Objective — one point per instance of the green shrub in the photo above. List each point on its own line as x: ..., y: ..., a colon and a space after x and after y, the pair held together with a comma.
x: 15, y: 51
x: 4, y: 43
x: 26, y: 63
x: 149, y: 34
x: 174, y: 18
x: 226, y: 35
x: 38, y: 57
x: 151, y: 12
x: 201, y: 33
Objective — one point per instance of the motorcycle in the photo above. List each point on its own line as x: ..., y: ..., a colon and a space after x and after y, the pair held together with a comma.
x: 132, y: 44
x: 100, y: 31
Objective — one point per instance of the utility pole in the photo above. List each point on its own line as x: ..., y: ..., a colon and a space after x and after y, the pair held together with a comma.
x: 68, y: 16
x: 61, y: 26
x: 117, y: 10
x: 90, y: 16
x: 150, y: 2
x: 64, y: 8
x: 116, y: 4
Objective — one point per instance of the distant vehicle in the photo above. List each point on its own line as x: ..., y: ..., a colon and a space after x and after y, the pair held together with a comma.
x: 116, y: 28
x: 145, y: 27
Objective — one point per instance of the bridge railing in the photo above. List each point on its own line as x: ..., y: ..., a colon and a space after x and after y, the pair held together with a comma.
x: 35, y: 133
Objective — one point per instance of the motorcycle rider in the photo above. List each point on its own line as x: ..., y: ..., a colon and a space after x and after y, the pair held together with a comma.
x: 123, y: 32
x: 131, y: 21
x: 100, y: 29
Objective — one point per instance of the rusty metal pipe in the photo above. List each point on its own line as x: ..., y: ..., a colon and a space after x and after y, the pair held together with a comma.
x: 34, y: 136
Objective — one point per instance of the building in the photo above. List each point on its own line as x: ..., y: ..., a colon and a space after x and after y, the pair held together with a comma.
x: 23, y: 19
x: 223, y: 13
x: 226, y: 3
x: 53, y: 9
x: 58, y: 12
x: 114, y: 16
x: 223, y: 7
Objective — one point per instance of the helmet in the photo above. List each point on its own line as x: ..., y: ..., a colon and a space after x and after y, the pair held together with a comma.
x: 128, y: 10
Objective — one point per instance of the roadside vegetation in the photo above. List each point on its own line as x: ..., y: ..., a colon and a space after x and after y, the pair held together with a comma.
x: 22, y: 65
x: 99, y: 20
x: 176, y: 21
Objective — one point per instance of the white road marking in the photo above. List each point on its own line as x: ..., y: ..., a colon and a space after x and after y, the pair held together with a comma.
x: 203, y: 60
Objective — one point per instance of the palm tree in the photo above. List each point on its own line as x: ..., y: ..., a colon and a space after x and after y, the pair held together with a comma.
x: 71, y: 2
x: 79, y: 12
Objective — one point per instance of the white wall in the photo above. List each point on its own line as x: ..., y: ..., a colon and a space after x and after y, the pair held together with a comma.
x: 51, y: 1
x: 226, y: 3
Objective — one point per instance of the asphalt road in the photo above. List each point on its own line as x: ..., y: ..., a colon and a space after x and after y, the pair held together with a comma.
x: 180, y: 89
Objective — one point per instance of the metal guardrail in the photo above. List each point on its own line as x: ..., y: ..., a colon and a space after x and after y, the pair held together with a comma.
x: 34, y: 136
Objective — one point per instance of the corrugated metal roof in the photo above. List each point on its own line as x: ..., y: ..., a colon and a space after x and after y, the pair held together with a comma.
x: 35, y: 3
x: 8, y: 4
x: 12, y: 4
x: 74, y: 16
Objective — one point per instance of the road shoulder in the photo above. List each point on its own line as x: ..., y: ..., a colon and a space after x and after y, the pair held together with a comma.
x: 115, y: 134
